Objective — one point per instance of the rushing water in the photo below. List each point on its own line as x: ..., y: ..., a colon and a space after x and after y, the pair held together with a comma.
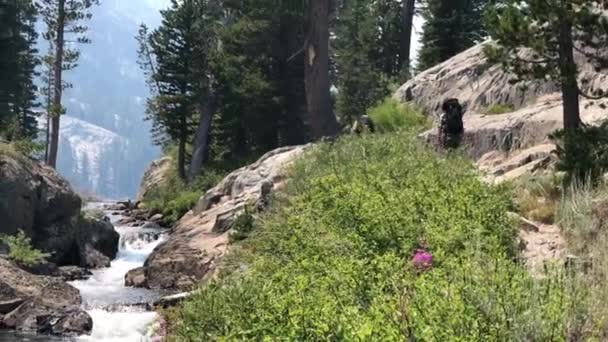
x: 117, y: 317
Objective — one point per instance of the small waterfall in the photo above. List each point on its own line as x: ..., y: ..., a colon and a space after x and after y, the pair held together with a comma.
x: 119, y: 313
x: 117, y: 317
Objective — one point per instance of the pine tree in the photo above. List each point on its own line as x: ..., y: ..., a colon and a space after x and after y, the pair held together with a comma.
x: 260, y: 72
x: 18, y: 63
x: 537, y: 39
x: 450, y: 27
x: 361, y: 77
x: 171, y: 65
x: 64, y: 21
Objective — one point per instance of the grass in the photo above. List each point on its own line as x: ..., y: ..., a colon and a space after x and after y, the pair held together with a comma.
x: 496, y: 109
x: 332, y: 260
x: 391, y: 116
x: 537, y: 196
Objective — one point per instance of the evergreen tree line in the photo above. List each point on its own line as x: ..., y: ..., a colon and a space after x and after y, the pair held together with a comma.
x: 233, y: 79
x: 230, y: 78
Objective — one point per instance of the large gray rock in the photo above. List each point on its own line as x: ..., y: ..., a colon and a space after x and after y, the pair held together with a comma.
x: 33, y: 195
x: 200, y: 239
x: 36, y: 199
x: 478, y: 84
x: 39, y: 303
x: 507, y: 145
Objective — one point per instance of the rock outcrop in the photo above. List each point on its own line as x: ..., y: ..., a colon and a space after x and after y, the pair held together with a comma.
x: 499, y: 141
x: 201, y: 237
x: 35, y: 199
x: 155, y: 175
x: 478, y: 84
x: 40, y: 304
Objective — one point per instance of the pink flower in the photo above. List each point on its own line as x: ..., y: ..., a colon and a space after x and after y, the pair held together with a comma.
x: 422, y: 260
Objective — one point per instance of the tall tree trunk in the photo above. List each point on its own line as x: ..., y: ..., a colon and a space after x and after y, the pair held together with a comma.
x: 408, y: 10
x: 58, y: 86
x: 322, y: 120
x: 181, y: 150
x: 568, y: 71
x: 201, y: 138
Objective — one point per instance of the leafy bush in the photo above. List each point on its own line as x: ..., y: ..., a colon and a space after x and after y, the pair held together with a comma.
x: 332, y: 261
x: 21, y: 250
x: 496, y: 109
x: 243, y: 225
x: 391, y: 116
x: 583, y: 153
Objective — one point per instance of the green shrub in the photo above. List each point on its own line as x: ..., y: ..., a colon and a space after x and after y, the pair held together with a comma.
x: 332, y: 262
x: 242, y: 226
x: 496, y: 109
x: 583, y: 153
x: 175, y: 198
x: 392, y: 116
x: 21, y: 250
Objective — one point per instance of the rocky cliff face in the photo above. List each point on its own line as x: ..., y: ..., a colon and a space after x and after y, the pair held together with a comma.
x: 469, y: 77
x: 201, y: 237
x: 35, y: 199
x: 505, y: 145
x: 155, y: 175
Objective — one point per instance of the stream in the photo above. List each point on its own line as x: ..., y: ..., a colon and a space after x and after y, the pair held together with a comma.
x: 117, y: 313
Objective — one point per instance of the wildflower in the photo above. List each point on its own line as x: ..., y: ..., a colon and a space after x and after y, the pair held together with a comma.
x: 422, y: 260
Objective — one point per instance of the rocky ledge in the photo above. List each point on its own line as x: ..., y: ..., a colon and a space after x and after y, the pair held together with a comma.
x: 200, y: 239
x: 36, y: 199
x: 506, y: 145
x: 40, y: 304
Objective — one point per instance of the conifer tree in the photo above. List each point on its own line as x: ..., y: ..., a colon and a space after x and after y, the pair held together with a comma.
x: 18, y: 63
x: 170, y: 55
x: 450, y: 27
x: 64, y: 20
x: 361, y: 73
x: 537, y: 39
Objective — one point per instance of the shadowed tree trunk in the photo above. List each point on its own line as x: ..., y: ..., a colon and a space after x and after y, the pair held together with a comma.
x: 407, y: 19
x: 322, y: 120
x: 570, y: 91
x: 201, y: 138
x: 57, y: 85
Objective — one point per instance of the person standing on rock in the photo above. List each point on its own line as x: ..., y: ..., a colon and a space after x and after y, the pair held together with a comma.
x: 451, y: 126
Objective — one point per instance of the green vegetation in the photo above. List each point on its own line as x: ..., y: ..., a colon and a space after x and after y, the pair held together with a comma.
x: 392, y: 116
x: 537, y: 197
x: 583, y: 153
x: 21, y: 250
x: 498, y: 109
x: 332, y: 260
x: 175, y: 197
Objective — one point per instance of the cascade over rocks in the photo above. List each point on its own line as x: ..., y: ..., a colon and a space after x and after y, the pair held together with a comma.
x: 36, y: 199
x: 201, y: 237
x: 495, y: 139
x: 40, y: 304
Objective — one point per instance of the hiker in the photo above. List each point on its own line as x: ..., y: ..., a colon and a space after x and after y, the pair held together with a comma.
x: 363, y: 125
x: 451, y: 127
